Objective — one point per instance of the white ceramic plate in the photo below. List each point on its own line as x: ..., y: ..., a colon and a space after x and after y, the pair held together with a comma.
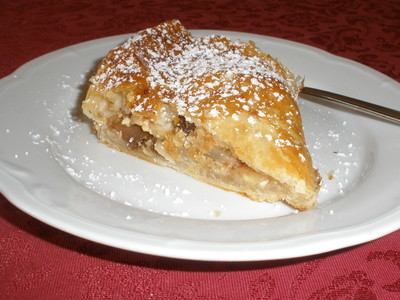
x: 53, y: 168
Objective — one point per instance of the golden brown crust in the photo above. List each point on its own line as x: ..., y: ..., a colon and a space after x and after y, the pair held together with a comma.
x: 198, y: 104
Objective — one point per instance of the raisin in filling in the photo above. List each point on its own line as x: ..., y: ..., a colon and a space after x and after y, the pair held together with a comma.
x: 184, y: 125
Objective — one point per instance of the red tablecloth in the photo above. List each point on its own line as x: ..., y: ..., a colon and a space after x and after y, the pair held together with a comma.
x: 40, y: 262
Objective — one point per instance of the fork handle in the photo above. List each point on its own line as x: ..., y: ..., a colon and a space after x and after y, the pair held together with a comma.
x: 366, y: 107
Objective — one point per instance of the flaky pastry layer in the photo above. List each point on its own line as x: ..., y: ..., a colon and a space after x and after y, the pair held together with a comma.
x: 221, y: 111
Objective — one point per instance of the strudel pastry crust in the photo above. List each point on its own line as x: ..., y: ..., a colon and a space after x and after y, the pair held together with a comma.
x: 221, y: 111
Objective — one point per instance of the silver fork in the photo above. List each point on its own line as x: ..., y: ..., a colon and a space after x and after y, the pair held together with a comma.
x: 366, y: 107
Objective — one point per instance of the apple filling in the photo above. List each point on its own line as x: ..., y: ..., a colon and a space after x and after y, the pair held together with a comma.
x: 183, y: 146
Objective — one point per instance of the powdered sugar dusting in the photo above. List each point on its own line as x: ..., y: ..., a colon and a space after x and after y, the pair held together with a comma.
x: 194, y: 73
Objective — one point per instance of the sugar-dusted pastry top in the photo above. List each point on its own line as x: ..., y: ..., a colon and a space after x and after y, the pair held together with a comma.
x: 241, y: 96
x: 170, y: 58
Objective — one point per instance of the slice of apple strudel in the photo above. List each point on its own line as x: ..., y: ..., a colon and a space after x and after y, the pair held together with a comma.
x: 221, y: 111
